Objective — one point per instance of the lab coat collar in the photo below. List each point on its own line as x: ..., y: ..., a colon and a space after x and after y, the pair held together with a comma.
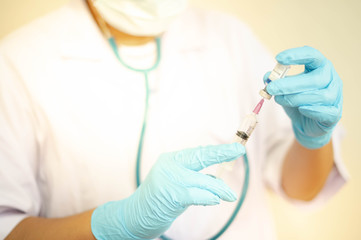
x: 84, y: 40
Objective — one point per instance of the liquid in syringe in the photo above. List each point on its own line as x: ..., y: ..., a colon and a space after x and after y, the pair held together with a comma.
x: 248, y: 124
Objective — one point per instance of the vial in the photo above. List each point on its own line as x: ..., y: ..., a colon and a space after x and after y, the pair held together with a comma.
x: 279, y: 71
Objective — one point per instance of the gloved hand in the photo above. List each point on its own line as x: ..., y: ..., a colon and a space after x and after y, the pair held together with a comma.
x: 172, y: 185
x: 312, y: 99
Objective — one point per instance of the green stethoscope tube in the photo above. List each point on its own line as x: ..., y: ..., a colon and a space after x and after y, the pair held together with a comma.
x: 142, y: 133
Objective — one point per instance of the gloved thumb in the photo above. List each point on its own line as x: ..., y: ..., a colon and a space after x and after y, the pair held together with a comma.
x: 202, y: 157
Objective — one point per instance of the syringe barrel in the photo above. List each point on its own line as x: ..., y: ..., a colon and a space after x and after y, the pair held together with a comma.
x: 245, y: 130
x: 279, y: 71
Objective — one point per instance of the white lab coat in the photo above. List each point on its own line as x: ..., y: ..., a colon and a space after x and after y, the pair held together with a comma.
x: 71, y: 114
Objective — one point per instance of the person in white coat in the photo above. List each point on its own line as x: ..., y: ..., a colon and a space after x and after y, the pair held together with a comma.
x: 76, y: 113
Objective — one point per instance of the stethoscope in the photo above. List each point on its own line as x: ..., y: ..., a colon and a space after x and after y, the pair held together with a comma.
x: 145, y: 72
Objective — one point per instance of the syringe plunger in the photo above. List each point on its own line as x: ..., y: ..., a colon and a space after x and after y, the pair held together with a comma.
x: 245, y: 130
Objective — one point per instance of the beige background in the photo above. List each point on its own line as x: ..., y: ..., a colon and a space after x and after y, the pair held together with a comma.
x: 333, y: 27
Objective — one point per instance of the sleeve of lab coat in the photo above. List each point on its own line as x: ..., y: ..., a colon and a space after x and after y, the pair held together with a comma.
x: 336, y: 179
x: 19, y: 193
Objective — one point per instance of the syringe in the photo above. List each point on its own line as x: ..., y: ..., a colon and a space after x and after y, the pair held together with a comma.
x: 243, y: 133
x: 250, y: 121
x: 248, y: 125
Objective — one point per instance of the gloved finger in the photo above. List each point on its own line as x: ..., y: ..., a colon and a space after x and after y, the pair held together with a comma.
x: 214, y: 185
x: 265, y: 77
x: 317, y: 79
x: 308, y: 56
x: 202, y: 157
x: 197, y: 196
x: 328, y: 116
x: 327, y: 97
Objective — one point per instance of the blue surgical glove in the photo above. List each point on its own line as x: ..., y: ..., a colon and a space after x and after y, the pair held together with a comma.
x: 172, y: 185
x: 312, y: 99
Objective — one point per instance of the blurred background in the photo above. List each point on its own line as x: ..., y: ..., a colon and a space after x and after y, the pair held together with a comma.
x: 333, y: 27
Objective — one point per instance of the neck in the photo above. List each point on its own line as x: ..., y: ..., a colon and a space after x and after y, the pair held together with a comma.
x: 121, y: 38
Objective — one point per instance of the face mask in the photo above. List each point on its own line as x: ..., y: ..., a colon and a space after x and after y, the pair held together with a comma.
x: 140, y: 17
